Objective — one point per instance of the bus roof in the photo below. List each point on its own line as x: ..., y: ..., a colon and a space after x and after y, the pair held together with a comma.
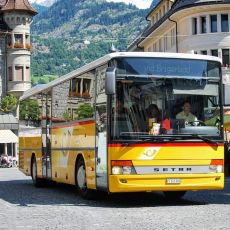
x: 103, y: 60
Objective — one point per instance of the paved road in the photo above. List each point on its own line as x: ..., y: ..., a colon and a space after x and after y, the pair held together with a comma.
x: 23, y: 206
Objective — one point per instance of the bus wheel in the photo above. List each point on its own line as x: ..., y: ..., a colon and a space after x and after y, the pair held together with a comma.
x: 174, y: 195
x: 36, y: 181
x: 81, y: 180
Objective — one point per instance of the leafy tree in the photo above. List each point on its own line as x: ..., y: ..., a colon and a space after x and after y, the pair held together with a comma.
x: 42, y: 81
x: 84, y: 111
x: 8, y: 103
x: 29, y: 110
x: 66, y: 116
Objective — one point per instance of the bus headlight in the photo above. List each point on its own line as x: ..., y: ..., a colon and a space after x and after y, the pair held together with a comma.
x: 216, y: 166
x: 116, y: 170
x: 122, y: 168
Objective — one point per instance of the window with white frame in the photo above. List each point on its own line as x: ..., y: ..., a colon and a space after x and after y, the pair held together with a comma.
x: 194, y: 25
x: 203, y: 24
x: 224, y: 23
x: 214, y: 52
x: 213, y: 23
x: 204, y: 52
x: 225, y: 57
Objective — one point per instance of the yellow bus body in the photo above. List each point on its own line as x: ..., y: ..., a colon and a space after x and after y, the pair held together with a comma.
x: 81, y: 141
x: 64, y: 153
x: 169, y: 156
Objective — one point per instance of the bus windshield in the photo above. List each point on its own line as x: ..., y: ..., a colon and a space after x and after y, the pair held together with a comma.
x: 162, y: 99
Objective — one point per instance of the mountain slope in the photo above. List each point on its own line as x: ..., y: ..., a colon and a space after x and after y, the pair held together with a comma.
x: 60, y: 31
x: 39, y: 8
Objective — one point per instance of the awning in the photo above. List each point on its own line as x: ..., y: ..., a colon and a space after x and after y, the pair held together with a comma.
x: 8, y: 121
x: 7, y: 136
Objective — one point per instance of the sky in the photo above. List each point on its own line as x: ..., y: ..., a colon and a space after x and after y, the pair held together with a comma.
x: 142, y: 4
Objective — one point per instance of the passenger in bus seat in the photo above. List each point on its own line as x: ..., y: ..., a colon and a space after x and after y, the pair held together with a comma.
x: 153, y: 119
x: 165, y: 124
x: 154, y: 112
x: 186, y: 114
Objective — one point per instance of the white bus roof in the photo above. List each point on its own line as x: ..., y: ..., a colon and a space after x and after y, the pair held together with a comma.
x: 103, y: 60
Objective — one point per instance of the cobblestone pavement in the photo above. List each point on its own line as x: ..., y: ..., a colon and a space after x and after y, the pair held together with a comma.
x: 22, y: 206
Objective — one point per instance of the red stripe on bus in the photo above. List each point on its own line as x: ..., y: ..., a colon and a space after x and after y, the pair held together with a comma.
x: 167, y: 144
x: 75, y: 124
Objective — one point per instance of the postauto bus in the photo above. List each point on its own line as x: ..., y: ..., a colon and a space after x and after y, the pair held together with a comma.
x: 71, y: 130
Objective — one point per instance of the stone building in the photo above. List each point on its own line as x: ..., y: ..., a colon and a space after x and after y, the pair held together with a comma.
x: 15, y: 54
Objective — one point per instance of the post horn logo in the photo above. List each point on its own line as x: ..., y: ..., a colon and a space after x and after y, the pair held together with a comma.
x: 150, y: 153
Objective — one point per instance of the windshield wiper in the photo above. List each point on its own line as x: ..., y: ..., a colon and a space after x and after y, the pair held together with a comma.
x: 149, y: 139
x: 131, y: 138
x: 203, y: 138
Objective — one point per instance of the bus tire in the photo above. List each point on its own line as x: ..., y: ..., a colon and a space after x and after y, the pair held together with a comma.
x: 38, y: 182
x: 174, y: 195
x: 81, y: 183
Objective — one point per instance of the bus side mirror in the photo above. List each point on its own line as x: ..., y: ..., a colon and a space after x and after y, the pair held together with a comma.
x: 110, y: 81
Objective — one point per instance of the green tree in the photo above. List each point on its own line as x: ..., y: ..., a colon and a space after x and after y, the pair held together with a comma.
x: 84, y: 111
x: 29, y: 110
x: 42, y: 81
x: 8, y: 103
x: 66, y: 116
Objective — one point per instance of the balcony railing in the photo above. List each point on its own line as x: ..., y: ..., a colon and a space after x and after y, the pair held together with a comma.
x: 19, y: 46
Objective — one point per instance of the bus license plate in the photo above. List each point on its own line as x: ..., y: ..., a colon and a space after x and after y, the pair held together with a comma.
x: 173, y: 181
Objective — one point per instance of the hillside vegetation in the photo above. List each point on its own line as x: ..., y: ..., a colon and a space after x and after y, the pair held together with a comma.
x: 72, y: 33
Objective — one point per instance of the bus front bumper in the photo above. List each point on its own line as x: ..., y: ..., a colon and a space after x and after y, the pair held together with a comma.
x: 166, y: 182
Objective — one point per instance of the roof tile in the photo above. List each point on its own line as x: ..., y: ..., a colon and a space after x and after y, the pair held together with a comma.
x: 22, y: 5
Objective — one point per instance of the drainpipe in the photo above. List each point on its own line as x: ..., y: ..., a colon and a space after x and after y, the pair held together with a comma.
x: 176, y: 33
x: 6, y: 68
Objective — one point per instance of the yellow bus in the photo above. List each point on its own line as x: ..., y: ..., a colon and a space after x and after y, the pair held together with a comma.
x: 95, y: 127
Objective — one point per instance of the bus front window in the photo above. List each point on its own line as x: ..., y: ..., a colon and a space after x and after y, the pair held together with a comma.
x: 152, y: 108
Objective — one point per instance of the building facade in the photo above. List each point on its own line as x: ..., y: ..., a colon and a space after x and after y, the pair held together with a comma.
x: 15, y: 54
x: 191, y: 26
x: 188, y: 26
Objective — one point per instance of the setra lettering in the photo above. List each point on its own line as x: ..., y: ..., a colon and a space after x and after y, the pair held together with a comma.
x: 174, y: 169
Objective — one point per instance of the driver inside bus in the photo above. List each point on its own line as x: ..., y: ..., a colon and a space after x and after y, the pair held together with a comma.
x: 185, y: 114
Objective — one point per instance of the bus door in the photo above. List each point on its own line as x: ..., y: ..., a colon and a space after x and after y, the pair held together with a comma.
x: 101, y: 132
x: 46, y: 142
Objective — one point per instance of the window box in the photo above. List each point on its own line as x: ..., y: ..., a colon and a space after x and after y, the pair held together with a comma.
x: 85, y: 94
x: 18, y: 45
x: 29, y: 46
